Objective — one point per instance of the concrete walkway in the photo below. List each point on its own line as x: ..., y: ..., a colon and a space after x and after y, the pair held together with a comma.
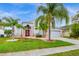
x: 74, y: 41
x: 46, y: 51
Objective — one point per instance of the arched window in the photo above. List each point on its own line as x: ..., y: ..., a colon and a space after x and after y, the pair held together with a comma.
x: 28, y: 27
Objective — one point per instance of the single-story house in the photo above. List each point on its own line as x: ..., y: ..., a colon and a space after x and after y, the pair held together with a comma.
x: 30, y: 31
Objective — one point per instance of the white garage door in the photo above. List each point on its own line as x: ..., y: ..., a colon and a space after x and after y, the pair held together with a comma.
x: 56, y: 33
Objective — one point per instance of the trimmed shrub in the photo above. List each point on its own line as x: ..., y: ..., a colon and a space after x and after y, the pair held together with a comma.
x: 38, y: 35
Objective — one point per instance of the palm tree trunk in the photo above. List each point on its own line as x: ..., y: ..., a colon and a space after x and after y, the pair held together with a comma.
x: 49, y: 37
x: 21, y: 36
x: 21, y: 32
x: 13, y: 32
x: 44, y: 33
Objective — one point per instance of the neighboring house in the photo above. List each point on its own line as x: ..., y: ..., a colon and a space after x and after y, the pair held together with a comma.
x: 75, y: 20
x: 66, y: 30
x: 30, y: 31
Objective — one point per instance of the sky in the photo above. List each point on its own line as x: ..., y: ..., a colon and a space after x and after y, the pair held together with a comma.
x: 28, y: 12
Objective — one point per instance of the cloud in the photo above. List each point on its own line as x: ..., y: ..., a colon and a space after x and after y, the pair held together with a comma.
x: 14, y: 14
x: 6, y: 14
x: 25, y: 14
x: 22, y: 12
x: 72, y: 10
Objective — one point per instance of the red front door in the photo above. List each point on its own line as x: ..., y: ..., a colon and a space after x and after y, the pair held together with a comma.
x: 27, y: 32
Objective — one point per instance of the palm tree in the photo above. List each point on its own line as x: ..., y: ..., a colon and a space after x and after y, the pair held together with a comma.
x: 52, y: 12
x: 41, y: 25
x: 11, y: 22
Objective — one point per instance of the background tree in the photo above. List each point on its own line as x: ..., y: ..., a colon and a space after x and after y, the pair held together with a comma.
x: 53, y: 11
x: 75, y: 26
x: 75, y: 30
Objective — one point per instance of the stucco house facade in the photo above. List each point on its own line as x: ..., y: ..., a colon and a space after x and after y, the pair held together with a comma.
x: 30, y: 31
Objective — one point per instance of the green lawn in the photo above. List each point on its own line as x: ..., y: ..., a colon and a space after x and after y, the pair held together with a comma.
x: 68, y: 53
x: 28, y: 44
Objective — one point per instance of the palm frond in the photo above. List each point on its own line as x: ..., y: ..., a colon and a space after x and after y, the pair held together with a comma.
x: 19, y: 26
x: 7, y: 19
x: 39, y: 20
x: 61, y: 13
x: 42, y: 9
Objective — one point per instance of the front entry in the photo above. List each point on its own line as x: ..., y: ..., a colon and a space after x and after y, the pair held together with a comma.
x: 27, y: 32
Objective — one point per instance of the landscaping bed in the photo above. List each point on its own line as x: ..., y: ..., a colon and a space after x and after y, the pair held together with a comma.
x: 28, y: 44
x: 68, y: 53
